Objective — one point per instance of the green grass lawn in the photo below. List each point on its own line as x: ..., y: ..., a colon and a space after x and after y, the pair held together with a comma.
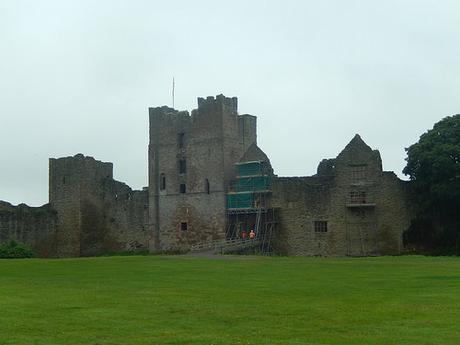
x: 242, y: 300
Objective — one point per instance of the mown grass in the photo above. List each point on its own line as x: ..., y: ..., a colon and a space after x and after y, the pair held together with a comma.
x: 243, y: 300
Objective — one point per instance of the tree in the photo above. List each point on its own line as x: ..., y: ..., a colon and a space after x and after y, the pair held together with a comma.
x: 433, y: 164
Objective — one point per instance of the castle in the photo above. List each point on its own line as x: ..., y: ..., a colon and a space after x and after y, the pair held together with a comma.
x: 209, y: 182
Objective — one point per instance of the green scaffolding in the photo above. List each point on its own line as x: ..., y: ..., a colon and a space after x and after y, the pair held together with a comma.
x: 255, y: 184
x: 252, y: 179
x: 249, y: 169
x: 240, y: 200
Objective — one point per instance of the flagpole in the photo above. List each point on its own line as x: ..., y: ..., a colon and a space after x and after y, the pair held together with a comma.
x: 173, y: 93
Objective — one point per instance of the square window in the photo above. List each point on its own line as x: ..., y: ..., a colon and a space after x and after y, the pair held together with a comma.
x: 320, y: 226
x: 358, y: 197
x: 183, y: 226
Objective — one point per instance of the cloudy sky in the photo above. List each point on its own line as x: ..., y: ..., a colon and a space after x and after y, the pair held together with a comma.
x: 79, y: 76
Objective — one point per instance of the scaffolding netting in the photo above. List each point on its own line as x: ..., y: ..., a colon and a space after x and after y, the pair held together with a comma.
x: 251, y: 184
x: 250, y: 169
x: 252, y: 181
x: 240, y: 200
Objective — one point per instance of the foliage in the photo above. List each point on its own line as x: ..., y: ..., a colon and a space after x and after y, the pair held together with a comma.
x: 433, y: 164
x: 230, y: 300
x: 15, y: 250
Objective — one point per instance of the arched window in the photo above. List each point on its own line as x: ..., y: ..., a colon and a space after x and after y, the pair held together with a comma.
x: 162, y: 182
x: 206, y: 186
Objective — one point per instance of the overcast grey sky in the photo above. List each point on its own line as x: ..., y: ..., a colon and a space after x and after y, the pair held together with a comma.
x: 79, y: 76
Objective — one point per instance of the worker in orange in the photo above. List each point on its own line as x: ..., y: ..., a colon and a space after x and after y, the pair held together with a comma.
x: 252, y: 234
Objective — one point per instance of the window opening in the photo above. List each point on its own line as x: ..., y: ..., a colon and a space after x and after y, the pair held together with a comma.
x: 182, y: 188
x: 182, y: 166
x: 358, y: 197
x: 181, y: 140
x: 162, y: 182
x: 183, y: 226
x: 320, y: 226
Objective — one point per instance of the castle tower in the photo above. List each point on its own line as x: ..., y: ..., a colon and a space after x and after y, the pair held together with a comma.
x: 95, y: 213
x: 191, y: 161
x: 74, y: 192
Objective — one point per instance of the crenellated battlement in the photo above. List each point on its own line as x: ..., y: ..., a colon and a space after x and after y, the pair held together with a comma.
x: 209, y: 106
x: 220, y: 103
x: 166, y: 113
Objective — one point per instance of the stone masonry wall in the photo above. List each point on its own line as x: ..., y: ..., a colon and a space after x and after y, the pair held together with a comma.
x: 372, y: 225
x: 210, y: 141
x: 394, y: 213
x: 33, y: 226
x: 95, y: 213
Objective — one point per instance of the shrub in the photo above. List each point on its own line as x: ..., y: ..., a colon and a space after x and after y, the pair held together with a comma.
x: 15, y: 250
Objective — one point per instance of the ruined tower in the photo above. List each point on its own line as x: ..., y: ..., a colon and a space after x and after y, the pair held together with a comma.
x: 191, y: 161
x: 95, y: 213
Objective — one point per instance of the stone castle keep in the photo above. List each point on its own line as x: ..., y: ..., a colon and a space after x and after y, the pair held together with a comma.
x: 209, y: 184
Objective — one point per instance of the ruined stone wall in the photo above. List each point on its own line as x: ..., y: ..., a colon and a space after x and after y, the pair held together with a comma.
x: 33, y: 226
x: 127, y: 216
x: 394, y: 213
x: 294, y: 233
x: 69, y: 180
x: 95, y: 213
x: 210, y: 141
x: 366, y: 209
x: 301, y: 201
x: 358, y: 169
x: 247, y: 126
